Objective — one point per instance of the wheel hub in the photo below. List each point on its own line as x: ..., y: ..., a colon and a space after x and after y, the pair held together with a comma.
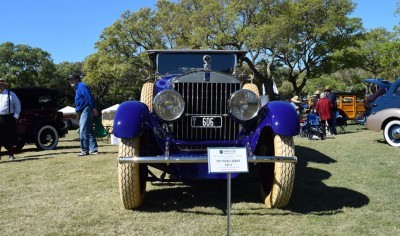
x: 48, y: 137
x: 396, y: 133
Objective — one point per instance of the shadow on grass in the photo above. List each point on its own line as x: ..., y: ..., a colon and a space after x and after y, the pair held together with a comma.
x: 36, y: 154
x: 310, y: 195
x: 383, y: 141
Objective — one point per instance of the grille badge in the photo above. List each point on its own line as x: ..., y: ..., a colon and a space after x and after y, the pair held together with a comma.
x: 207, y: 76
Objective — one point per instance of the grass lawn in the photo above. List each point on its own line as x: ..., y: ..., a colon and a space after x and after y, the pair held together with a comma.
x: 345, y: 185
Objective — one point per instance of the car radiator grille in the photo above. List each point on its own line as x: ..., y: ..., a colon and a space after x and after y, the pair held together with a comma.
x: 206, y: 99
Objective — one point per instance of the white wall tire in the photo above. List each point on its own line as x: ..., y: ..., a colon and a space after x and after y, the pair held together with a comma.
x: 276, y: 190
x: 392, y: 133
x: 132, y: 186
x: 46, y: 137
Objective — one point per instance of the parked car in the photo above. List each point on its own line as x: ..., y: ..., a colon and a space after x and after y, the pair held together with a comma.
x: 39, y: 121
x: 385, y: 114
x: 379, y: 87
x: 352, y: 104
x: 198, y: 100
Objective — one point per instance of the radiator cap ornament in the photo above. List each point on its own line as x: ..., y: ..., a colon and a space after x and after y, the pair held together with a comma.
x: 207, y: 67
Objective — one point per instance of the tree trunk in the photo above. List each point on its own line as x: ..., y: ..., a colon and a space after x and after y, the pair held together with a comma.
x: 266, y: 80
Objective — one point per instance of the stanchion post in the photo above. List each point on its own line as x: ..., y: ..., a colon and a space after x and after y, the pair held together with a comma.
x: 228, y: 207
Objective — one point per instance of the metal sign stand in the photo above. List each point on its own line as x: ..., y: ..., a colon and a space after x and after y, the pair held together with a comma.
x: 228, y: 211
x: 234, y: 160
x: 227, y: 160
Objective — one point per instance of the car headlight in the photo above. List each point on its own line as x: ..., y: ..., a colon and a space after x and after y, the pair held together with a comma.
x: 244, y: 104
x: 168, y: 105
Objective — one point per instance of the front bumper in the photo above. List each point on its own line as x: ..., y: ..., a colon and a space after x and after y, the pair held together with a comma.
x: 202, y: 159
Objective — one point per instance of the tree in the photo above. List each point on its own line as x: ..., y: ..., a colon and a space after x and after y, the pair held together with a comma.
x: 63, y: 70
x: 371, y: 50
x: 310, y: 32
x: 25, y: 66
x: 391, y: 57
x: 112, y: 70
x: 286, y: 90
x: 301, y: 35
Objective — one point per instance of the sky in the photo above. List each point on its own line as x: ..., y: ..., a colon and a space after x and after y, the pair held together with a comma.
x: 69, y: 29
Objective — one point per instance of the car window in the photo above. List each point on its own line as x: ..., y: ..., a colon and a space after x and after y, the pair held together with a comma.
x: 47, y: 101
x: 397, y: 91
x: 174, y: 63
x: 347, y: 100
x: 34, y: 100
x: 360, y: 99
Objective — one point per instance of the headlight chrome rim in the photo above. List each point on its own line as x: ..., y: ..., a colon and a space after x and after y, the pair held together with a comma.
x: 169, y: 105
x: 244, y: 105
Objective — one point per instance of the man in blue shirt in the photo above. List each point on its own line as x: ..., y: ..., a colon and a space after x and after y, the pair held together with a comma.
x: 85, y: 106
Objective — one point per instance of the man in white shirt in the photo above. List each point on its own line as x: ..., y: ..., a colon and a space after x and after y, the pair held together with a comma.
x: 10, y: 108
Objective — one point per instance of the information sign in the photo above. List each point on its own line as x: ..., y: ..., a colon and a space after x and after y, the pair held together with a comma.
x: 227, y: 160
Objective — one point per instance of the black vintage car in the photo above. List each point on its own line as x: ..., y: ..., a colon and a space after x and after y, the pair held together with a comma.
x: 40, y: 122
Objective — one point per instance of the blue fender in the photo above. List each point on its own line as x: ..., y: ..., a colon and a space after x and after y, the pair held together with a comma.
x: 281, y: 117
x: 129, y: 119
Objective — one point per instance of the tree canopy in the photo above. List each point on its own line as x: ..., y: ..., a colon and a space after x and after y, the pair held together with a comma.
x: 300, y: 36
x: 25, y: 66
x: 300, y: 44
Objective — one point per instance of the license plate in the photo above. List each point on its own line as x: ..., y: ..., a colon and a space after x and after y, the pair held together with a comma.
x: 206, y: 121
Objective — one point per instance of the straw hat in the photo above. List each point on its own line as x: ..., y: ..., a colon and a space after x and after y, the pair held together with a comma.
x: 327, y: 88
x: 317, y: 92
x: 295, y: 99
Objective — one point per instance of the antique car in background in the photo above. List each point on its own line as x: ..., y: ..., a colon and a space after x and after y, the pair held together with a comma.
x: 385, y: 114
x: 40, y: 122
x: 352, y: 104
x: 196, y: 100
x: 377, y: 88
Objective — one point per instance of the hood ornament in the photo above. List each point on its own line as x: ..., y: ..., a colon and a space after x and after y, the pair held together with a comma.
x: 207, y: 67
x: 207, y: 60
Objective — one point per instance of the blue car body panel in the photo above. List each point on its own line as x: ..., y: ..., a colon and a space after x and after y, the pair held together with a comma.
x: 380, y: 82
x: 389, y: 100
x: 129, y: 119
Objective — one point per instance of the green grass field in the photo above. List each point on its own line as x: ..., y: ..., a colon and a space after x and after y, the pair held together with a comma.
x: 345, y: 185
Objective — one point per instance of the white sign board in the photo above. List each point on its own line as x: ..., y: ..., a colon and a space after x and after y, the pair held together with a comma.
x: 227, y: 160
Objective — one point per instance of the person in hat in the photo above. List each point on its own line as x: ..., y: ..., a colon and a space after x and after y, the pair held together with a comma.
x: 315, y: 98
x: 85, y: 107
x: 295, y: 101
x: 332, y: 97
x: 10, y: 108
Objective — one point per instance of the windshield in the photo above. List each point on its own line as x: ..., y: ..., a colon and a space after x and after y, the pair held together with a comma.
x: 175, y: 63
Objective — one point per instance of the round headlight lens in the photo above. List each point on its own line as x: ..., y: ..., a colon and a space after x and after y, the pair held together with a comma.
x: 244, y: 104
x: 168, y: 105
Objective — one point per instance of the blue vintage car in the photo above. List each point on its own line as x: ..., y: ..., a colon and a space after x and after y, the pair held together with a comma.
x: 196, y: 100
x: 385, y: 113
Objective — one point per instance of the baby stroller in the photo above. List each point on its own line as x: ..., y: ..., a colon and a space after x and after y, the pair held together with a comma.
x: 313, y: 127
